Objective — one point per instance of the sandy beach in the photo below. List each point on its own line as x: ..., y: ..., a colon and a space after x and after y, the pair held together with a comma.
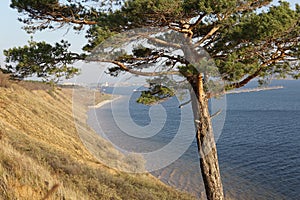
x: 102, y: 103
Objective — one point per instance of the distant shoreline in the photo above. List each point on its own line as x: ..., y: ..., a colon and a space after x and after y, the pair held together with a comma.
x: 102, y: 103
x: 254, y: 89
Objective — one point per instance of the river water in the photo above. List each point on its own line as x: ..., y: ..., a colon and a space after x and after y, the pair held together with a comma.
x: 259, y: 145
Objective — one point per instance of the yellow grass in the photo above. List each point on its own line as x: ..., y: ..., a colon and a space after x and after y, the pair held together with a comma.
x: 42, y: 156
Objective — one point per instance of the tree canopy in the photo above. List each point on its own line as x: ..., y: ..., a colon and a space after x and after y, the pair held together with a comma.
x: 42, y: 60
x: 245, y: 40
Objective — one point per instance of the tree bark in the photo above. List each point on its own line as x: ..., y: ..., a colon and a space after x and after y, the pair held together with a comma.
x: 205, y: 141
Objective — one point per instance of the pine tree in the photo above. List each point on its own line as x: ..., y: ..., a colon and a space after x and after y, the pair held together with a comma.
x: 247, y: 39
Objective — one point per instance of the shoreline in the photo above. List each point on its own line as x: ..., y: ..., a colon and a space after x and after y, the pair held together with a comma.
x: 102, y: 103
x: 257, y: 89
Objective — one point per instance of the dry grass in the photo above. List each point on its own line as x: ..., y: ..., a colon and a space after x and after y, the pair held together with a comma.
x: 1, y: 134
x: 35, y: 85
x: 42, y: 156
x: 4, y: 80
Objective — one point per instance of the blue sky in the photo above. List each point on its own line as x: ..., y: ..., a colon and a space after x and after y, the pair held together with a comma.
x: 12, y: 34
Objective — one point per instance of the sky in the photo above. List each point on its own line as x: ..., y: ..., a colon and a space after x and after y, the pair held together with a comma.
x: 12, y: 34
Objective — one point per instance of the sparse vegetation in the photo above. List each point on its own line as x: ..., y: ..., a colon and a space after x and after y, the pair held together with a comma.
x: 42, y: 157
x: 4, y: 80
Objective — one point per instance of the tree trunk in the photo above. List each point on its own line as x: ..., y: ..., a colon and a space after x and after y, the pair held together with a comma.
x: 205, y: 140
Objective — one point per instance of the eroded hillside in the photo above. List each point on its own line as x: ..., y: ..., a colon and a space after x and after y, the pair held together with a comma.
x: 42, y: 157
